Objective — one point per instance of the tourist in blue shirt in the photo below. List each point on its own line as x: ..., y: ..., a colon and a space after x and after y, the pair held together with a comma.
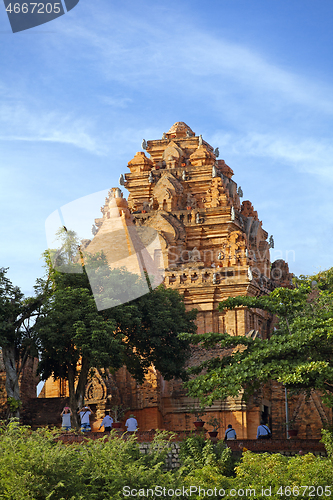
x: 263, y: 431
x: 230, y: 433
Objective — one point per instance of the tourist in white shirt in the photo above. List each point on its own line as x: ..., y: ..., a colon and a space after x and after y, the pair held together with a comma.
x: 85, y: 413
x: 66, y: 418
x: 131, y: 424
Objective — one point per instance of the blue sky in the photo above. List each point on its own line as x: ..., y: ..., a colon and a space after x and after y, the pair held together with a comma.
x: 254, y: 77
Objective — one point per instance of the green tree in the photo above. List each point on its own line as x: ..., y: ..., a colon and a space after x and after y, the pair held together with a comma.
x: 17, y: 340
x: 151, y: 325
x: 75, y: 337
x: 299, y: 352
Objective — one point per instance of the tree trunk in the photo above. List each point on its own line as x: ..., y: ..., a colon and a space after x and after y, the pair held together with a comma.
x: 83, y: 377
x: 76, y: 396
x: 12, y: 379
x: 72, y: 399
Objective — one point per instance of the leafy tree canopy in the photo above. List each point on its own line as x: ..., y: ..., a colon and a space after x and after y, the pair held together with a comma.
x: 299, y: 352
x: 17, y: 340
x: 75, y: 337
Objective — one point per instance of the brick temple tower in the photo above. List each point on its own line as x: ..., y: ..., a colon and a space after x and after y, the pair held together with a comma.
x: 211, y: 246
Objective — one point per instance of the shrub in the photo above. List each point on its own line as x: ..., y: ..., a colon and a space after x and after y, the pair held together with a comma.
x: 265, y: 471
x: 33, y: 466
x: 197, y: 452
x: 112, y: 464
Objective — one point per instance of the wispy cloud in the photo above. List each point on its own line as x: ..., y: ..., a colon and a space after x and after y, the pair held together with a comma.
x: 307, y: 155
x: 116, y: 102
x: 20, y: 123
x: 173, y: 55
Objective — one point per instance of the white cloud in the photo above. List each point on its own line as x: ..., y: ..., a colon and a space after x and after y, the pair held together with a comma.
x: 148, y: 54
x: 116, y: 102
x: 307, y: 155
x: 20, y: 123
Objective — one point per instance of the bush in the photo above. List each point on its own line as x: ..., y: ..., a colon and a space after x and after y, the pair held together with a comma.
x: 197, y: 452
x: 112, y: 464
x: 33, y: 466
x: 265, y: 471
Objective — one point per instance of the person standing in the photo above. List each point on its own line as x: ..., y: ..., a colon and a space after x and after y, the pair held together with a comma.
x: 107, y: 423
x: 66, y: 418
x: 230, y: 433
x: 263, y: 432
x: 85, y: 413
x: 131, y: 423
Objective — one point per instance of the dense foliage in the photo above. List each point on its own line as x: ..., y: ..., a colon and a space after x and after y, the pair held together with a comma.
x: 197, y: 453
x: 299, y: 352
x: 17, y: 338
x: 74, y: 336
x: 34, y: 466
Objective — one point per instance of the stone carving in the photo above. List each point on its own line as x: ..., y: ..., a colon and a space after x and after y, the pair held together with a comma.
x: 271, y: 241
x: 202, y: 156
x: 194, y: 255
x: 248, y: 211
x: 168, y: 192
x: 232, y: 215
x: 240, y: 192
x: 94, y: 229
x: 191, y: 201
x: 146, y: 206
x: 140, y: 163
x: 217, y: 195
x: 233, y: 250
x: 200, y: 140
x: 96, y: 389
x: 172, y: 155
x: 144, y: 144
x: 217, y: 152
x: 150, y: 178
x: 214, y: 171
x: 179, y: 130
x: 121, y: 180
x: 198, y: 219
x: 151, y: 203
